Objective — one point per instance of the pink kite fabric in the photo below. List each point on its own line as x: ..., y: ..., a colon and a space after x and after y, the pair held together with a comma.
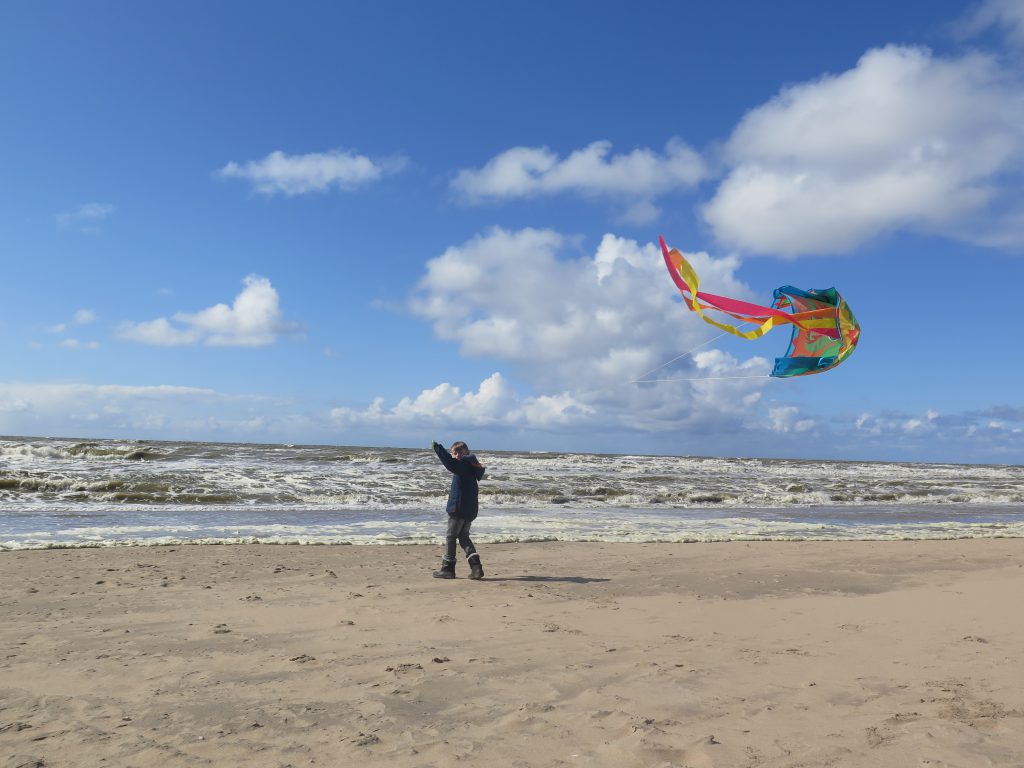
x: 825, y: 331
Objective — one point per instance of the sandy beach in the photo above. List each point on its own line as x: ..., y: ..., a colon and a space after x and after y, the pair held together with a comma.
x: 731, y: 654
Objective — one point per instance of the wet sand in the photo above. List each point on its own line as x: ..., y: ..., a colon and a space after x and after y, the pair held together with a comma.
x: 619, y: 655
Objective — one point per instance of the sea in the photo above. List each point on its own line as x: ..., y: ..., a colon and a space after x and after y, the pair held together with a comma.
x: 57, y: 493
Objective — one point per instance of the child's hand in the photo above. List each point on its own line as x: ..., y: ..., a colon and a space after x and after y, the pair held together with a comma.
x: 433, y: 444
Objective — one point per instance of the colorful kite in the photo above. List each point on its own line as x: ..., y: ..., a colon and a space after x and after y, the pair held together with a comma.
x: 825, y: 331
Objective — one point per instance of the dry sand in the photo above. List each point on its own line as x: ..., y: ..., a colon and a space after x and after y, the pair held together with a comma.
x: 748, y: 655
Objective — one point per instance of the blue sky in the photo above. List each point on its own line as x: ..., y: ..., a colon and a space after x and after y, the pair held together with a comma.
x: 383, y: 223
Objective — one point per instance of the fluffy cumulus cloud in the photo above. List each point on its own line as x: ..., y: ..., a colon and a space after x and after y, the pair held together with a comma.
x: 531, y: 299
x: 254, y: 319
x: 493, y: 404
x: 578, y: 329
x: 786, y: 418
x: 634, y: 179
x: 905, y: 139
x: 575, y: 329
x: 314, y: 172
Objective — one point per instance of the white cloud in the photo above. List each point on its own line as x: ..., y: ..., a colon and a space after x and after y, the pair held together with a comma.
x: 158, y: 332
x: 131, y: 411
x: 254, y: 319
x: 785, y: 418
x: 86, y: 216
x: 81, y: 317
x: 313, y: 172
x: 603, y: 319
x: 903, y: 140
x: 1007, y: 15
x: 578, y: 330
x: 14, y: 405
x: 867, y: 424
x: 683, y: 408
x: 929, y: 436
x: 678, y: 419
x: 922, y: 425
x: 493, y: 404
x: 547, y: 411
x: 635, y: 179
x: 77, y: 344
x: 901, y: 426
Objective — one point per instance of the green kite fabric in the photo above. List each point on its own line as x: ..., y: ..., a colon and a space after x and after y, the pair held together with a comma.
x: 825, y: 331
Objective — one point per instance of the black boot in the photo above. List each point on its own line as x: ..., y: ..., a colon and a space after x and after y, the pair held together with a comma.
x: 476, y: 569
x: 447, y: 570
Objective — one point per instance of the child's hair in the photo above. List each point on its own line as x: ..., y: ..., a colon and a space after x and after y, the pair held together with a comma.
x: 460, y: 446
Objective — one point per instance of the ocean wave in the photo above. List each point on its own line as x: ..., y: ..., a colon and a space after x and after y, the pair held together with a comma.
x: 79, y: 450
x: 160, y: 538
x: 217, y: 484
x: 564, y: 496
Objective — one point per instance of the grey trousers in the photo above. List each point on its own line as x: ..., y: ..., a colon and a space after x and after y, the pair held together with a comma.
x: 458, y: 530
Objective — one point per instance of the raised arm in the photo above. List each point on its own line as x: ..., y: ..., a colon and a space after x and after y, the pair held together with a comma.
x: 451, y: 464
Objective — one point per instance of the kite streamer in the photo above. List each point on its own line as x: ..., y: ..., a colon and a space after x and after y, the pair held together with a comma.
x: 825, y: 332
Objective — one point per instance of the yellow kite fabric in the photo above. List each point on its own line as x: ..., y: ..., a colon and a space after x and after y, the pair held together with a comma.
x: 825, y: 332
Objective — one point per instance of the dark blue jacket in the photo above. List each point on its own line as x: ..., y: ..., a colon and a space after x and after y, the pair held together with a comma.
x: 463, y: 501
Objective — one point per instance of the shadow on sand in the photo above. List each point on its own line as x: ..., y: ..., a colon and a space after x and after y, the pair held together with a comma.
x: 568, y: 579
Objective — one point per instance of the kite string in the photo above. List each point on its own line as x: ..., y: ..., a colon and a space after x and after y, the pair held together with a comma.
x: 642, y: 380
x: 678, y: 357
x: 702, y: 378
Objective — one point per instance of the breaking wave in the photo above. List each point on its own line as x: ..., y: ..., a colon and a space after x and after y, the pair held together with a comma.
x: 58, y: 492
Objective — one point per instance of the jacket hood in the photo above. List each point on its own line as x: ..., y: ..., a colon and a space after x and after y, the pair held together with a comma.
x: 478, y: 468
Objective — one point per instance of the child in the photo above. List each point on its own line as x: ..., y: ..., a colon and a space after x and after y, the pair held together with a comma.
x: 462, y: 508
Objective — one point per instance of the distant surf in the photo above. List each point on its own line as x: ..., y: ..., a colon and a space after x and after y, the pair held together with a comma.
x: 73, y: 493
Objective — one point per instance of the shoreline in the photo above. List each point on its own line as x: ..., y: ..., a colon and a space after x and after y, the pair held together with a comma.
x: 758, y: 654
x: 504, y: 541
x: 610, y: 525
